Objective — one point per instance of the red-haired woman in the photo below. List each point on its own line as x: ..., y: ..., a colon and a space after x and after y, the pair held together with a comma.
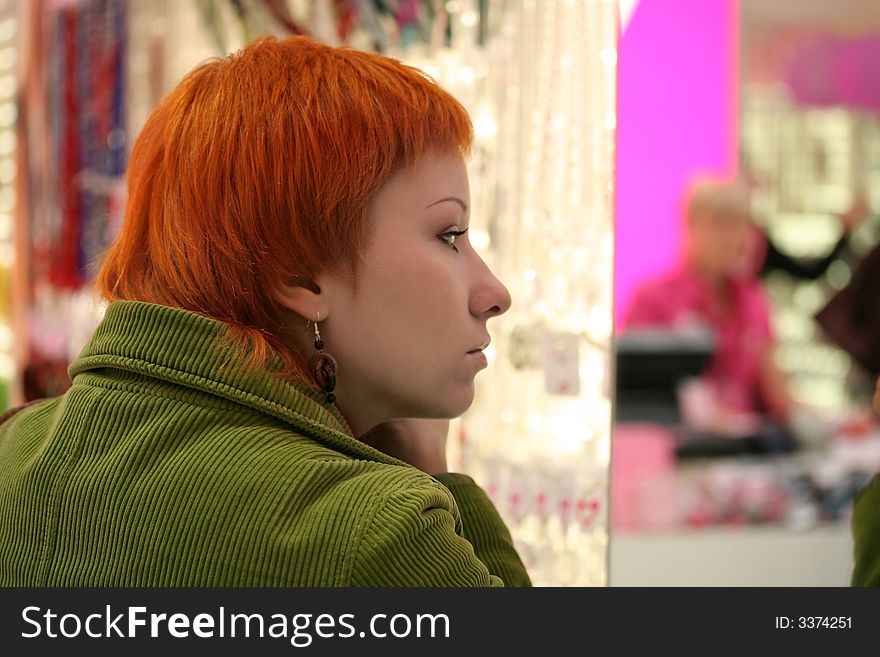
x: 292, y: 279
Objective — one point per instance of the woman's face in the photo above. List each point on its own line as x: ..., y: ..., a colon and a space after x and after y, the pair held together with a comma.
x: 723, y: 243
x: 408, y: 332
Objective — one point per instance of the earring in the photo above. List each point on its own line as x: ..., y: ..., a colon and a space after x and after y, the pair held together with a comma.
x: 323, y: 367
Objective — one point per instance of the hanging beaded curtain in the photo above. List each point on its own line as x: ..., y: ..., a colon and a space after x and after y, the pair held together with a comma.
x: 378, y: 25
x: 75, y: 150
x: 87, y: 65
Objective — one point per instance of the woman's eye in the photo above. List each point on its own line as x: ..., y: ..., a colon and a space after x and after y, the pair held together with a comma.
x: 450, y: 236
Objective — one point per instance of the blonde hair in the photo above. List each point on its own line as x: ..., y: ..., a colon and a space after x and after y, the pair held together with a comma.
x: 713, y: 196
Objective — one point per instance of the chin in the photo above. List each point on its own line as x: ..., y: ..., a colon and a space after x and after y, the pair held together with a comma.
x: 463, y: 402
x: 451, y: 405
x: 739, y: 273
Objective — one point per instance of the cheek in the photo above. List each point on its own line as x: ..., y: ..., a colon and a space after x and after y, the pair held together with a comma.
x: 709, y: 244
x: 407, y: 308
x: 732, y: 243
x: 408, y: 277
x: 426, y: 301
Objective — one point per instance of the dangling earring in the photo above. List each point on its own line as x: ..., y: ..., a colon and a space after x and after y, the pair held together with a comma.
x: 323, y: 367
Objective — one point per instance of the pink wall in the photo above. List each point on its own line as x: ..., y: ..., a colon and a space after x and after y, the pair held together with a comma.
x: 677, y: 115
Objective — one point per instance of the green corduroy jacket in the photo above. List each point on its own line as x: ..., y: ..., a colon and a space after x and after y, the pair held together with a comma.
x: 168, y: 463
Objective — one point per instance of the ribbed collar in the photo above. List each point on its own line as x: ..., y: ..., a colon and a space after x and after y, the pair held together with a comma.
x: 186, y: 349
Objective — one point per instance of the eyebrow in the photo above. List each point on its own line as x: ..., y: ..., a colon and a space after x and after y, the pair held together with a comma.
x: 453, y: 199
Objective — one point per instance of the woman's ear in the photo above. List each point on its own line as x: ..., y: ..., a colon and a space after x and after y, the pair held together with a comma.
x: 304, y: 297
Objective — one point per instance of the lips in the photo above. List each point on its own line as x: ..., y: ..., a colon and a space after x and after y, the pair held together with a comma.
x: 485, y: 344
x: 478, y: 357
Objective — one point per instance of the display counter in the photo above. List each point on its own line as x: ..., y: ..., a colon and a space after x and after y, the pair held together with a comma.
x: 757, y: 556
x: 773, y: 520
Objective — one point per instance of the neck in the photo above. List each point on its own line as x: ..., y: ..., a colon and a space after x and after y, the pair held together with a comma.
x: 720, y: 292
x: 717, y: 281
x: 360, y: 413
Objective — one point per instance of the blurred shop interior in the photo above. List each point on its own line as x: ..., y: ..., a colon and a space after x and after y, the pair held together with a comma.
x: 784, y: 97
x: 591, y: 118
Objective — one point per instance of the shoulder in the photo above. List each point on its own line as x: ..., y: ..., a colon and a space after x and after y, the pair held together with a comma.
x: 866, y: 519
x: 399, y: 493
x: 413, y: 536
x: 31, y: 415
x: 15, y: 410
x: 656, y: 302
x: 387, y: 525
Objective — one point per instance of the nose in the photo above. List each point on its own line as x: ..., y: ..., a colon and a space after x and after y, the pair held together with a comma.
x: 489, y: 297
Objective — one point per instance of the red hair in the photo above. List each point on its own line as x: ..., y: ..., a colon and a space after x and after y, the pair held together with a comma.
x: 257, y: 169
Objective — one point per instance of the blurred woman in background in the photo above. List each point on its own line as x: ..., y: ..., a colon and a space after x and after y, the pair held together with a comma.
x: 716, y: 289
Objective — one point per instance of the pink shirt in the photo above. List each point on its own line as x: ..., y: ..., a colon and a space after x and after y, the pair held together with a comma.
x: 683, y: 299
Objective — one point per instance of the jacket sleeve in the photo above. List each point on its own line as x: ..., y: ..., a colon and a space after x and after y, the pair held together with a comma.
x: 866, y: 535
x: 649, y: 308
x: 484, y: 529
x: 416, y: 538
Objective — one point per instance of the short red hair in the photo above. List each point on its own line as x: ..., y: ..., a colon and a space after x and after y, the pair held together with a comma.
x: 258, y: 168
